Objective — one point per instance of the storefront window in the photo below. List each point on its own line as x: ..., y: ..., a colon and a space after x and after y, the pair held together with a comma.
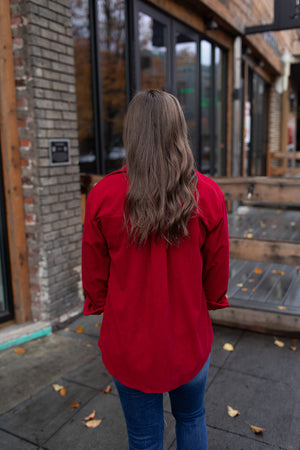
x: 220, y: 113
x: 84, y: 91
x: 112, y: 43
x: 186, y: 88
x: 206, y: 105
x: 153, y: 52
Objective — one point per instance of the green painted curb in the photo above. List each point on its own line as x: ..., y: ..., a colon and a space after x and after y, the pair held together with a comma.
x: 26, y: 338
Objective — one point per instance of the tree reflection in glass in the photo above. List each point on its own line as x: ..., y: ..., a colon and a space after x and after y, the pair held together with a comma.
x: 153, y: 53
x: 112, y: 35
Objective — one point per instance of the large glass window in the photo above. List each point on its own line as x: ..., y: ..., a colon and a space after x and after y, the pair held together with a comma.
x: 153, y: 52
x: 186, y: 81
x: 206, y: 106
x: 84, y: 90
x: 112, y: 44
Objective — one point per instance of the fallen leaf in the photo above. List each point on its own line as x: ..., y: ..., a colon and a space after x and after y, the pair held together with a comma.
x: 89, y: 345
x: 281, y: 307
x: 262, y: 224
x: 228, y: 347
x: 293, y: 348
x: 249, y: 235
x: 240, y: 284
x: 256, y: 430
x: 97, y: 324
x: 79, y: 329
x: 279, y: 343
x: 274, y: 271
x: 244, y: 289
x: 107, y: 390
x: 93, y: 423
x: 253, y: 289
x: 227, y: 296
x: 257, y: 270
x: 251, y: 280
x: 232, y: 412
x: 94, y: 357
x: 292, y: 224
x: 91, y: 416
x: 57, y: 387
x: 63, y: 392
x: 20, y: 350
x: 280, y: 272
x: 75, y: 405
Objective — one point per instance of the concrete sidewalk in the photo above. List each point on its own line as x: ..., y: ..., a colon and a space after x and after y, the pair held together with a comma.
x: 258, y: 378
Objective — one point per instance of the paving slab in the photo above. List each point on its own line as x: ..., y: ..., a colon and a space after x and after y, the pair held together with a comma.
x: 10, y: 442
x: 256, y: 354
x: 40, y: 417
x: 44, y: 360
x: 93, y: 374
x: 270, y: 405
x: 111, y: 433
x: 224, y: 440
x: 223, y: 335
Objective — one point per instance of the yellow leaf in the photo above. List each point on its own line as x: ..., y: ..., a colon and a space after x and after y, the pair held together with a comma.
x: 240, y: 284
x: 258, y: 270
x: 293, y: 348
x: 91, y: 416
x: 227, y: 296
x: 57, y: 387
x: 19, y: 350
x: 280, y: 272
x: 63, y: 392
x: 256, y: 430
x: 279, y: 343
x: 89, y: 345
x: 107, y: 390
x: 97, y: 324
x: 274, y: 271
x: 232, y: 412
x: 228, y: 347
x: 253, y: 289
x: 281, y: 307
x: 93, y: 423
x: 244, y: 289
x: 75, y: 405
x: 249, y: 235
x: 79, y: 329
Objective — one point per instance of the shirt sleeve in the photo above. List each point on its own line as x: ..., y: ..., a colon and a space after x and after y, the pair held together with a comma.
x: 216, y: 263
x: 95, y: 263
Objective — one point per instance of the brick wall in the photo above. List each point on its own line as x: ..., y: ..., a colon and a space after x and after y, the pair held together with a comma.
x: 46, y: 103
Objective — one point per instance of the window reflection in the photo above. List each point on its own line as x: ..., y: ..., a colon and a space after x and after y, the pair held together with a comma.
x: 219, y: 119
x: 83, y: 78
x: 186, y: 54
x: 111, y: 23
x: 206, y: 97
x: 153, y: 52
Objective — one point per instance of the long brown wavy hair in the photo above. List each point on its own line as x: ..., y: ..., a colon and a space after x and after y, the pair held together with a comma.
x: 160, y: 165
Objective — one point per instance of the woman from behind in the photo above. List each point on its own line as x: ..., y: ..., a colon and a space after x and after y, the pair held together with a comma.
x: 155, y: 259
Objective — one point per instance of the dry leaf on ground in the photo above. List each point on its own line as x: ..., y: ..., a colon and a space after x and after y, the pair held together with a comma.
x: 257, y: 270
x: 79, y: 329
x: 20, y: 350
x: 244, y: 289
x: 232, y: 412
x: 75, y: 405
x: 293, y: 348
x: 93, y: 423
x: 63, y: 391
x: 107, y: 390
x: 249, y: 235
x: 91, y: 416
x: 57, y: 387
x: 280, y: 272
x: 282, y: 308
x: 253, y: 289
x: 279, y: 343
x: 228, y: 347
x: 256, y: 430
x: 240, y: 284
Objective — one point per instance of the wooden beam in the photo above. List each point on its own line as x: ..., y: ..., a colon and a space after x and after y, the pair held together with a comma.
x: 264, y: 189
x: 286, y: 155
x: 12, y: 172
x: 279, y: 252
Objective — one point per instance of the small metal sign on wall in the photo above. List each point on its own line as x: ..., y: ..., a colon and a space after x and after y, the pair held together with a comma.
x: 59, y: 151
x: 286, y: 17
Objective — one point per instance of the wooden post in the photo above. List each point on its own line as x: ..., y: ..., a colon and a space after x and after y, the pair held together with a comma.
x: 12, y: 172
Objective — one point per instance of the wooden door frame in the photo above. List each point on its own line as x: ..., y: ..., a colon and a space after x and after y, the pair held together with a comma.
x: 11, y: 162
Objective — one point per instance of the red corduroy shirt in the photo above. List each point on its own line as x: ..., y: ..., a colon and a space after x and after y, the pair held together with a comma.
x: 156, y: 332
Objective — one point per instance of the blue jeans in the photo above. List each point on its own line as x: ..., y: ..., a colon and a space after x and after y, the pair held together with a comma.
x: 145, y: 419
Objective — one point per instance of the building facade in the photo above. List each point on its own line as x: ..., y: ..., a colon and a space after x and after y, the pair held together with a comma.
x: 68, y: 69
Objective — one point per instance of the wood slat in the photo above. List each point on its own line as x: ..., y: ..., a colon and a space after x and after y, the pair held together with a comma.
x: 266, y: 251
x: 263, y: 189
x: 287, y: 155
